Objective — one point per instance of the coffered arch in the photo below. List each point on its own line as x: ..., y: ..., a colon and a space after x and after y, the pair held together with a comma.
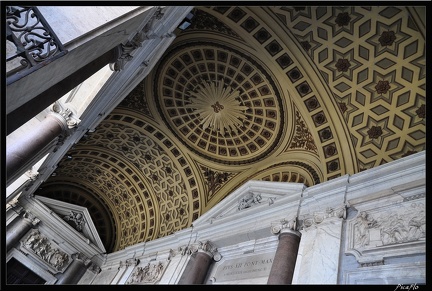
x: 299, y: 79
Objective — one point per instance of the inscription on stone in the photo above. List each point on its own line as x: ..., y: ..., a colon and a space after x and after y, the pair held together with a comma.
x: 243, y: 268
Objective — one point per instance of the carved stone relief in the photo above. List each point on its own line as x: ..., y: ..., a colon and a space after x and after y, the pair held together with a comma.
x: 46, y: 251
x: 76, y: 220
x: 150, y: 273
x: 378, y: 233
x: 249, y: 200
x: 318, y: 217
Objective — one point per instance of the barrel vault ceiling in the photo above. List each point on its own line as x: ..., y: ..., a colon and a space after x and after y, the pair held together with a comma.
x: 285, y: 94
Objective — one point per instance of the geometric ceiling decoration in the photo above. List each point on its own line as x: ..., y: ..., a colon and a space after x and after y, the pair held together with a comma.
x: 221, y: 104
x: 278, y: 93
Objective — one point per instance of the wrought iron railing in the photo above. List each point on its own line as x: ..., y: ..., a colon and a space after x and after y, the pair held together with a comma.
x: 30, y: 42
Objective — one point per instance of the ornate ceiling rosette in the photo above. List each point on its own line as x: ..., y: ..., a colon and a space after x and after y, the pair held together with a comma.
x: 219, y: 102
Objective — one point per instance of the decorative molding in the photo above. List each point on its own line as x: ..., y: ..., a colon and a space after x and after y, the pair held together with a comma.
x: 129, y: 262
x: 62, y: 209
x: 124, y: 55
x: 94, y: 268
x: 318, y: 217
x: 371, y: 264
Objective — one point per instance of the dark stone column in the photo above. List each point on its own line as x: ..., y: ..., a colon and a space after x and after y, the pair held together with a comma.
x: 196, y: 269
x: 27, y: 111
x: 18, y: 228
x: 75, y: 270
x: 30, y: 144
x: 198, y: 265
x: 282, y: 269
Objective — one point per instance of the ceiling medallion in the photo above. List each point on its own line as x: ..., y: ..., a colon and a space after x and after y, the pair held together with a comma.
x: 218, y: 106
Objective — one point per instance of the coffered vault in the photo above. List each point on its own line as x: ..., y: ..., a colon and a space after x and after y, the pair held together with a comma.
x: 289, y: 94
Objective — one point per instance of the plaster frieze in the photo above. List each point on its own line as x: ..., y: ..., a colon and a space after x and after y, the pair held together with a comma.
x: 249, y: 200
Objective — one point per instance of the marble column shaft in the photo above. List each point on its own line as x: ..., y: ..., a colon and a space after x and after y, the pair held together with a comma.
x: 282, y: 269
x: 196, y: 269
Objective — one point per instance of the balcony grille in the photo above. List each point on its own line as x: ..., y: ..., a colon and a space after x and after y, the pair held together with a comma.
x: 30, y: 42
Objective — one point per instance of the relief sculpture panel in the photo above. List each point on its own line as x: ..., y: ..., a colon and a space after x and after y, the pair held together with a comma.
x: 382, y: 232
x: 147, y: 274
x: 45, y: 250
